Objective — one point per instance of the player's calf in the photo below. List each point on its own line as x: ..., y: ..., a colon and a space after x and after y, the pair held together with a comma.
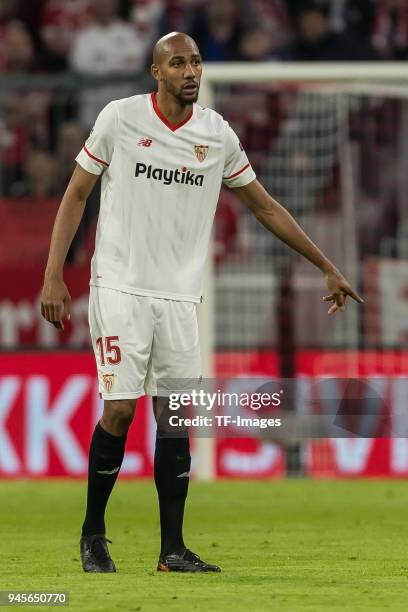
x: 118, y: 416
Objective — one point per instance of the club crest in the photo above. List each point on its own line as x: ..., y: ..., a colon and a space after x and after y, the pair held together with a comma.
x: 108, y: 380
x: 201, y: 152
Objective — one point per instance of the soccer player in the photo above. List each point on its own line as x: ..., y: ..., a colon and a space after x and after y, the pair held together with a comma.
x: 163, y: 159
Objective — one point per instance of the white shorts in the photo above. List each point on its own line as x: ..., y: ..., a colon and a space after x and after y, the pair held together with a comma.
x: 139, y: 340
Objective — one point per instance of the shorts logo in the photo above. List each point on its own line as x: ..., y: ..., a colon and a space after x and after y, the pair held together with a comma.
x: 201, y: 152
x: 108, y: 380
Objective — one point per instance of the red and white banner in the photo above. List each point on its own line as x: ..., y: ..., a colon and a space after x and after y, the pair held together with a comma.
x: 360, y: 457
x: 49, y: 404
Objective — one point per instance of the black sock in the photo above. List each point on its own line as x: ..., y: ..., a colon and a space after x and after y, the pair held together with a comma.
x: 105, y: 455
x: 171, y: 474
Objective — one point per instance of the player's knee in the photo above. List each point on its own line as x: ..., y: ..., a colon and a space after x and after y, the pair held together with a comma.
x: 119, y: 413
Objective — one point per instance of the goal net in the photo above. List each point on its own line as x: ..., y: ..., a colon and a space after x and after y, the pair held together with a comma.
x: 330, y: 143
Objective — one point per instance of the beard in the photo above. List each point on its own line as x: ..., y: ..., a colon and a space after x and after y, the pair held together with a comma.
x: 181, y: 98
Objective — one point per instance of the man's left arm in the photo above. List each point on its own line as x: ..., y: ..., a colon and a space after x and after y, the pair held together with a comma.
x: 280, y: 222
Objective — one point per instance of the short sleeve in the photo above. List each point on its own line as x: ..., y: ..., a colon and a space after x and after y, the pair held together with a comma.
x: 96, y: 154
x: 237, y: 169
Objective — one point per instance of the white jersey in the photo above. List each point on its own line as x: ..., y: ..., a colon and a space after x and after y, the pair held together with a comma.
x: 159, y: 192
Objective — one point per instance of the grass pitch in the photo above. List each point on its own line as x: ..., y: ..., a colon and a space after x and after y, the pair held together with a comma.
x: 288, y: 545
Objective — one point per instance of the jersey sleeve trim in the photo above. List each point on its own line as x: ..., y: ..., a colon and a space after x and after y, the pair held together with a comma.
x: 227, y: 178
x: 100, y: 161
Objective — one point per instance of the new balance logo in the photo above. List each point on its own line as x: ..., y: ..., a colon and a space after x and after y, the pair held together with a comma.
x: 145, y: 142
x: 109, y: 472
x: 183, y: 475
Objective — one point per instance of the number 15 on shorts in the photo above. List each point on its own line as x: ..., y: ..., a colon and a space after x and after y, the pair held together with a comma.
x: 109, y: 350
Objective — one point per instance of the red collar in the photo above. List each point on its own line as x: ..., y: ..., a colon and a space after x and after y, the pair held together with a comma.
x: 172, y: 126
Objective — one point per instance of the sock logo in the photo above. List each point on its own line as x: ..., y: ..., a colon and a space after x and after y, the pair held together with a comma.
x: 183, y: 475
x: 109, y: 472
x: 183, y: 176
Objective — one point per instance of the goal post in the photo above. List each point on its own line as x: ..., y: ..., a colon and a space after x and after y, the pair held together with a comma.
x: 331, y: 72
x: 312, y: 157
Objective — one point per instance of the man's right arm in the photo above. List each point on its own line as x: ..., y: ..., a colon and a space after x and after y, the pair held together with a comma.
x: 55, y: 298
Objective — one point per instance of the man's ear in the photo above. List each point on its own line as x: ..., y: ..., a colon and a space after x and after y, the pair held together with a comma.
x: 154, y: 69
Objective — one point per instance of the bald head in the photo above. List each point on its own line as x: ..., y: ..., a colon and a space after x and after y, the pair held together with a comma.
x: 177, y: 68
x: 168, y: 44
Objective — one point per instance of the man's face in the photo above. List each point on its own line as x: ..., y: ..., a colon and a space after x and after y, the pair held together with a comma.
x: 180, y: 71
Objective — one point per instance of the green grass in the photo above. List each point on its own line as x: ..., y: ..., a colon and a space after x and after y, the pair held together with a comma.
x: 290, y: 545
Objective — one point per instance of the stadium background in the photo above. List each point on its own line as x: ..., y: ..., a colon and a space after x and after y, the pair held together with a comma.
x: 58, y: 67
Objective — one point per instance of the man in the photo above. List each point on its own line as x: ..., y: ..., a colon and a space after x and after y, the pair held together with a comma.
x: 163, y: 159
x: 107, y: 46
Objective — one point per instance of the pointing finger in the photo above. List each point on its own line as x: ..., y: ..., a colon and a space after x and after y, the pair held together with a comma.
x: 354, y: 295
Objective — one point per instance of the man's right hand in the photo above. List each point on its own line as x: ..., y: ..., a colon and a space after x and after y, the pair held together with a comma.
x: 55, y: 301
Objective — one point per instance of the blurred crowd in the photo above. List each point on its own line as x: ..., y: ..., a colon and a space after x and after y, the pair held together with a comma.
x: 39, y: 129
x: 105, y: 36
